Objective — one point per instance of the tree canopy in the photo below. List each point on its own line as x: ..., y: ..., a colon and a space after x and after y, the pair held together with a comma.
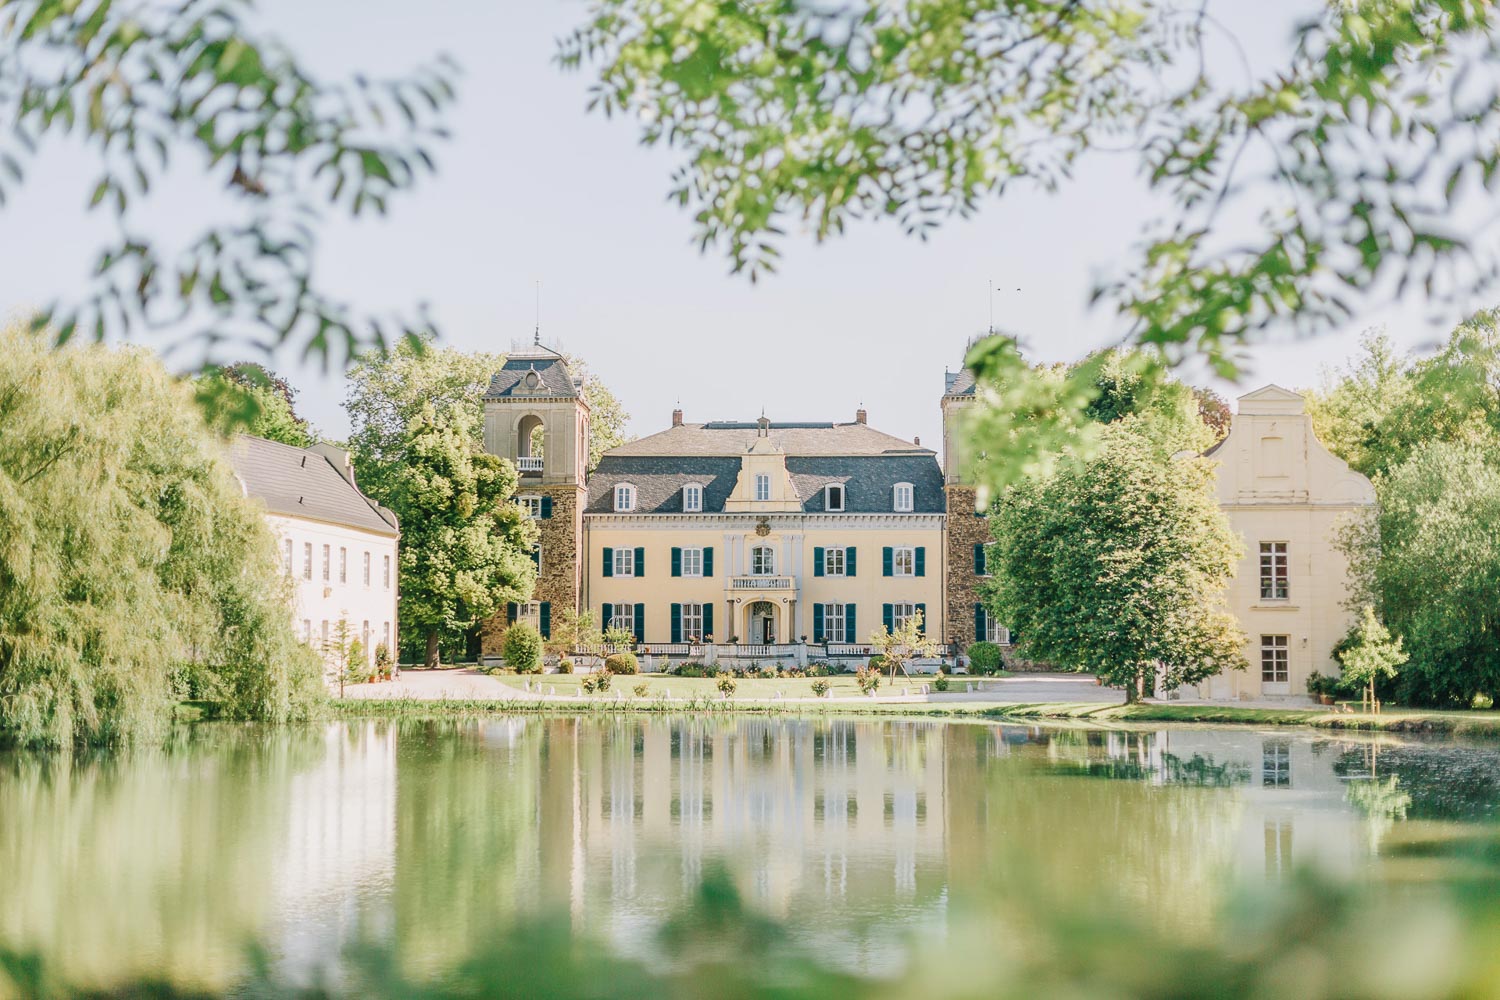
x: 250, y: 398
x: 133, y: 571
x: 465, y: 549
x: 1117, y: 566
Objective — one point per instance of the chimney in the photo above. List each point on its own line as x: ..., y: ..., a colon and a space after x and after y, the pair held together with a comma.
x: 676, y: 418
x: 859, y: 415
x: 917, y: 441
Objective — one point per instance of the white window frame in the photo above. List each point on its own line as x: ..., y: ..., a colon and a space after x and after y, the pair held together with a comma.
x: 835, y: 555
x: 762, y: 487
x: 624, y: 564
x: 307, y: 560
x: 828, y: 497
x: 766, y: 555
x: 904, y: 554
x: 692, y: 562
x: 530, y: 506
x: 327, y: 563
x: 692, y: 622
x: 900, y: 612
x: 291, y: 560
x: 835, y: 623
x: 692, y: 498
x: 307, y: 630
x: 995, y: 632
x: 367, y: 567
x: 385, y: 562
x: 530, y: 612
x: 1275, y: 570
x: 1272, y: 665
x: 343, y: 564
x: 385, y: 637
x: 624, y: 498
x: 622, y: 616
x: 904, y: 498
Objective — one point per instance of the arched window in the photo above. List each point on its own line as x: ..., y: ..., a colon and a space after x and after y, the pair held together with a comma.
x: 763, y: 561
x: 624, y: 498
x: 762, y: 486
x: 905, y: 500
x: 692, y: 498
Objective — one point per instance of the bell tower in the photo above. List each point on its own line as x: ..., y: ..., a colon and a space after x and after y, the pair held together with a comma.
x: 536, y: 416
x: 966, y: 531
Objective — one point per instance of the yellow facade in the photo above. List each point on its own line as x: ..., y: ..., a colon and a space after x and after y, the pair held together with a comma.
x: 744, y: 592
x: 1286, y: 496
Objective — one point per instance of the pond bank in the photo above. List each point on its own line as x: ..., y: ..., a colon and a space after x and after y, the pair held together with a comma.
x: 1471, y: 724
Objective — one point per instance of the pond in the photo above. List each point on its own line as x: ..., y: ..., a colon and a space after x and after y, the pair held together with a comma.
x: 864, y: 841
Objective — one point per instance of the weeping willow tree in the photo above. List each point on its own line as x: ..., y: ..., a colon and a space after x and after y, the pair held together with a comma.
x: 129, y: 557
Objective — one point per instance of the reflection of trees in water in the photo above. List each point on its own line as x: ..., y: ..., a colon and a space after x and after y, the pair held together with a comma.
x: 122, y: 864
x: 1444, y: 781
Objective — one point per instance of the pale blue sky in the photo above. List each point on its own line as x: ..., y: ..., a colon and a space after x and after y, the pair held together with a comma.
x: 533, y: 188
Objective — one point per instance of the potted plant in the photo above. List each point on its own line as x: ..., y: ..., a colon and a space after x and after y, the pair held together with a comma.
x: 1322, y: 688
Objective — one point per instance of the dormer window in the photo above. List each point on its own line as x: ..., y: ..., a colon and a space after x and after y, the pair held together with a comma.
x: 692, y: 498
x: 762, y: 486
x: 833, y: 496
x: 905, y: 498
x: 624, y: 498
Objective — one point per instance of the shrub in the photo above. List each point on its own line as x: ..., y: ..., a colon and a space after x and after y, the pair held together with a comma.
x: 727, y: 684
x: 690, y: 668
x: 821, y: 668
x: 796, y: 673
x: 820, y: 687
x: 601, y: 681
x: 522, y: 648
x: 1482, y: 701
x: 985, y: 658
x: 565, y: 666
x: 879, y: 663
x: 590, y: 685
x: 766, y: 673
x: 622, y: 663
x: 383, y: 661
x: 940, y: 682
x: 641, y: 689
x: 868, y: 679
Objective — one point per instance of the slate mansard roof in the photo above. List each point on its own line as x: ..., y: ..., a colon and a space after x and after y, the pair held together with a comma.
x: 866, y: 462
x: 553, y: 376
x: 305, y: 482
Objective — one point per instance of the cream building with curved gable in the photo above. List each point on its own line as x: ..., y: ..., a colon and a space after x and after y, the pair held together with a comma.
x: 1286, y: 496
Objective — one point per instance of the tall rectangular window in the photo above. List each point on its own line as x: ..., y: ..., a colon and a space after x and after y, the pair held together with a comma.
x: 530, y: 612
x: 325, y: 631
x: 1276, y: 763
x: 287, y: 548
x: 995, y: 632
x: 327, y: 562
x: 367, y: 567
x: 692, y: 498
x: 762, y: 486
x: 624, y: 562
x: 364, y: 638
x: 343, y: 565
x: 530, y: 506
x: 905, y: 498
x: 692, y: 562
x: 763, y: 561
x: 307, y: 560
x: 833, y: 562
x: 900, y: 614
x: 834, y: 629
x: 623, y: 616
x: 385, y: 637
x: 904, y: 561
x: 307, y: 630
x: 692, y: 622
x: 835, y: 497
x: 1273, y: 659
x: 385, y: 562
x: 1274, y: 585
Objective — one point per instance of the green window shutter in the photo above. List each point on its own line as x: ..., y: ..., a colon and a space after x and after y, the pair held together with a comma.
x: 640, y: 562
x: 546, y: 507
x: 609, y: 562
x: 510, y: 613
x: 888, y: 615
x: 676, y: 564
x: 708, y: 570
x: 708, y: 616
x: 885, y: 562
x: 979, y: 559
x: 851, y: 631
x: 921, y: 560
x: 640, y: 623
x: 817, y: 623
x: 922, y: 609
x: 817, y: 561
x: 979, y: 628
x: 849, y: 561
x: 546, y: 619
x: 606, y: 617
x: 676, y: 620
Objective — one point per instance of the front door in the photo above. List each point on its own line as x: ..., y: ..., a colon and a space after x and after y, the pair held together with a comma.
x: 768, y: 630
